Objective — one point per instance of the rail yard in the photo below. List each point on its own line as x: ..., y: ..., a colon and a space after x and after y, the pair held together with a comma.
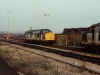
x: 55, y: 37
x: 45, y: 43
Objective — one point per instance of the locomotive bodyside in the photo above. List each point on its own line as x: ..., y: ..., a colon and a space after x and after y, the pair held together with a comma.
x: 92, y: 36
x: 42, y: 35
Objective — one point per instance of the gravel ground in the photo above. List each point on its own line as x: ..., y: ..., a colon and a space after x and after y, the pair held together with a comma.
x: 27, y: 63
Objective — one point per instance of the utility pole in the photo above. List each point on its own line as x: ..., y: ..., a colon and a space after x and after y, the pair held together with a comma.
x: 8, y: 23
x: 46, y: 19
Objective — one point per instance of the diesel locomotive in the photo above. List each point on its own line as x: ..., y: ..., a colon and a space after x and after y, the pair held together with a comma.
x: 91, y: 37
x: 40, y: 36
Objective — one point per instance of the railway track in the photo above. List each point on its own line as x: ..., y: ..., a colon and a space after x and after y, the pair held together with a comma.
x: 72, y: 48
x: 60, y: 52
x: 92, y: 59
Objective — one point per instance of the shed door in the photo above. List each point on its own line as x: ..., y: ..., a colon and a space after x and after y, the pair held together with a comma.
x: 62, y: 39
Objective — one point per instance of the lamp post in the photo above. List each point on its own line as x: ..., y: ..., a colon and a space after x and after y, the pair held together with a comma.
x: 8, y: 23
x: 46, y: 19
x: 42, y: 23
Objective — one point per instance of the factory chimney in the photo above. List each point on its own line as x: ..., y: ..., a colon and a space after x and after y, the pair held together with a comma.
x: 30, y: 28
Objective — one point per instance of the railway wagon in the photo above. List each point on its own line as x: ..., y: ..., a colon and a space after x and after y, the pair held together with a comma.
x: 10, y: 37
x: 41, y: 36
x: 91, y: 38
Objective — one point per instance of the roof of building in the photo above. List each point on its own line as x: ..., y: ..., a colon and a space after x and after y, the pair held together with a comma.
x: 83, y: 29
x: 68, y: 30
x: 75, y: 29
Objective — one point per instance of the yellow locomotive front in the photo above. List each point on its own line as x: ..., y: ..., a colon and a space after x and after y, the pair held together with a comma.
x: 49, y: 36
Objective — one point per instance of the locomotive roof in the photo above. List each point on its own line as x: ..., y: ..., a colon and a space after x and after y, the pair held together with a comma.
x: 39, y: 30
x: 96, y: 25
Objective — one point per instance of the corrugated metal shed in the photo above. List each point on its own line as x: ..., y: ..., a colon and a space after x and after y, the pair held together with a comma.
x: 61, y: 38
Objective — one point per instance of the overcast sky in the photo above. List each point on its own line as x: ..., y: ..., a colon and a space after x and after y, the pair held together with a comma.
x: 62, y: 14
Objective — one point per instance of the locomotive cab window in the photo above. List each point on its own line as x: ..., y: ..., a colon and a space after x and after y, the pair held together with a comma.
x: 90, y: 30
x: 97, y: 29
